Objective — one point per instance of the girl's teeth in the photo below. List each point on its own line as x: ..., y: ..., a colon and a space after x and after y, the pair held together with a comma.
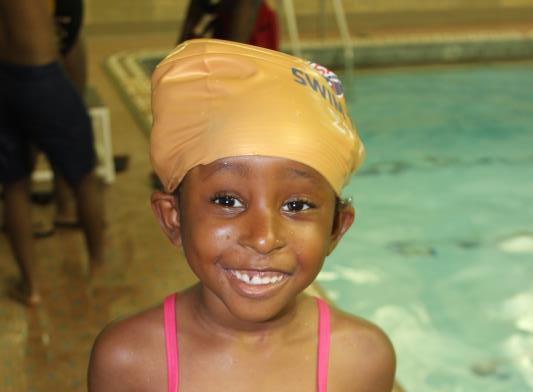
x: 256, y: 280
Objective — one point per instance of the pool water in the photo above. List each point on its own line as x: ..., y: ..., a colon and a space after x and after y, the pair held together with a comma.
x: 441, y: 253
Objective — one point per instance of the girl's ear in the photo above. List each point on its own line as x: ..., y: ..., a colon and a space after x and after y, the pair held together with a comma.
x: 166, y: 210
x: 343, y: 221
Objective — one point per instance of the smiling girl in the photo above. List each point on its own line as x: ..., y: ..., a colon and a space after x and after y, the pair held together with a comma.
x: 253, y: 148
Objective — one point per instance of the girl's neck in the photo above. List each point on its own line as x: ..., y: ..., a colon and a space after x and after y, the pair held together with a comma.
x: 211, y: 314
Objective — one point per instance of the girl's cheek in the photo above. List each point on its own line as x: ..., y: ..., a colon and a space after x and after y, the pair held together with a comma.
x: 223, y: 234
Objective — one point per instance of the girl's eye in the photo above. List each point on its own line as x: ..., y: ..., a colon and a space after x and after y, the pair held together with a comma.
x: 296, y: 206
x: 227, y: 201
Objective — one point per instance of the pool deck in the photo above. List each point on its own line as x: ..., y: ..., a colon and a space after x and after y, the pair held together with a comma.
x: 47, y: 348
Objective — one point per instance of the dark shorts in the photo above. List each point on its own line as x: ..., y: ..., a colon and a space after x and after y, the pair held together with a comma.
x: 39, y: 106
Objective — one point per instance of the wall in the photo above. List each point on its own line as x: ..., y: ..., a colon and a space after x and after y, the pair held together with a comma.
x: 163, y: 15
x: 376, y: 6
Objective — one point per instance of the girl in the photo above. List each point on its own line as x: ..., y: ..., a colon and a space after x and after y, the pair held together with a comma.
x: 253, y: 148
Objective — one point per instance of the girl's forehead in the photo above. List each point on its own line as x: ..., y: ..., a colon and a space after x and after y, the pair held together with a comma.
x: 252, y: 167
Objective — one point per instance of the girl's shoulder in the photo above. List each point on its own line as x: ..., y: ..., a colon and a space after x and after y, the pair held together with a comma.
x: 361, y: 353
x: 129, y: 352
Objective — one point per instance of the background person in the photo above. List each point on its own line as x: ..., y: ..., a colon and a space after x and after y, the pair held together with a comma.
x: 40, y: 106
x: 246, y: 21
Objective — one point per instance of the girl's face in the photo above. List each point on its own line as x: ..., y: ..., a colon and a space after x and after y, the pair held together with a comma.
x: 256, y: 231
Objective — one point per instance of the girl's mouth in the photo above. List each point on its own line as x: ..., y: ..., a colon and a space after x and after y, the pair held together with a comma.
x: 256, y: 278
x: 256, y: 284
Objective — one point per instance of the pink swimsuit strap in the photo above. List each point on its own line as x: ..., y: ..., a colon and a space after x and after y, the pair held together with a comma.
x: 323, y: 345
x: 172, y: 344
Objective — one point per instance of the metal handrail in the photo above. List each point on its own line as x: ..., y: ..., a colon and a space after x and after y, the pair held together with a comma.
x: 345, y: 36
x: 340, y: 16
x: 293, y: 28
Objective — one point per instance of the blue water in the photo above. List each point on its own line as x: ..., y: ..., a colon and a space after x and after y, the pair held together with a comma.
x: 441, y: 253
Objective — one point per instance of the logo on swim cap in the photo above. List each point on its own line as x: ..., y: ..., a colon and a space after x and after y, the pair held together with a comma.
x: 330, y: 76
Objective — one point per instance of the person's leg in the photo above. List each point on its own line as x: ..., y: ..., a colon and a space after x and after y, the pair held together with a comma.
x: 65, y: 214
x: 75, y: 64
x: 232, y: 20
x: 89, y: 198
x: 239, y: 17
x: 88, y: 192
x: 15, y: 168
x: 60, y: 126
x: 17, y: 220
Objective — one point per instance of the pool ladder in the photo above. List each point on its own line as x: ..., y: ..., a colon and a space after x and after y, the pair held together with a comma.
x: 340, y: 16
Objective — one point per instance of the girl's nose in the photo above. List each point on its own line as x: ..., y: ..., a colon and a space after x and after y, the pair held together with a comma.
x: 262, y: 231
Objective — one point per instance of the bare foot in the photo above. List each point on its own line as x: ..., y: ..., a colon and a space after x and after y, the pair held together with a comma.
x: 26, y: 296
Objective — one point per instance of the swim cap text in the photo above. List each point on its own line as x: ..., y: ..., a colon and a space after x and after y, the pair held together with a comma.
x: 304, y: 79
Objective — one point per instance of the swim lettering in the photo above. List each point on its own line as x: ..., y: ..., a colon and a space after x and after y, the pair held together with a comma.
x: 304, y: 79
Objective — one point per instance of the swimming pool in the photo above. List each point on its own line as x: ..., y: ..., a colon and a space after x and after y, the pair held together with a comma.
x: 441, y: 253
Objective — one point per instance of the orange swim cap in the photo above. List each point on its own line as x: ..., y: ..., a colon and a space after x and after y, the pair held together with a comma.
x: 214, y: 99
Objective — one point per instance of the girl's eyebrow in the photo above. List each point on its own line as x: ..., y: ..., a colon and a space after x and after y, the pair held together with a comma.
x: 292, y: 172
x: 235, y: 167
